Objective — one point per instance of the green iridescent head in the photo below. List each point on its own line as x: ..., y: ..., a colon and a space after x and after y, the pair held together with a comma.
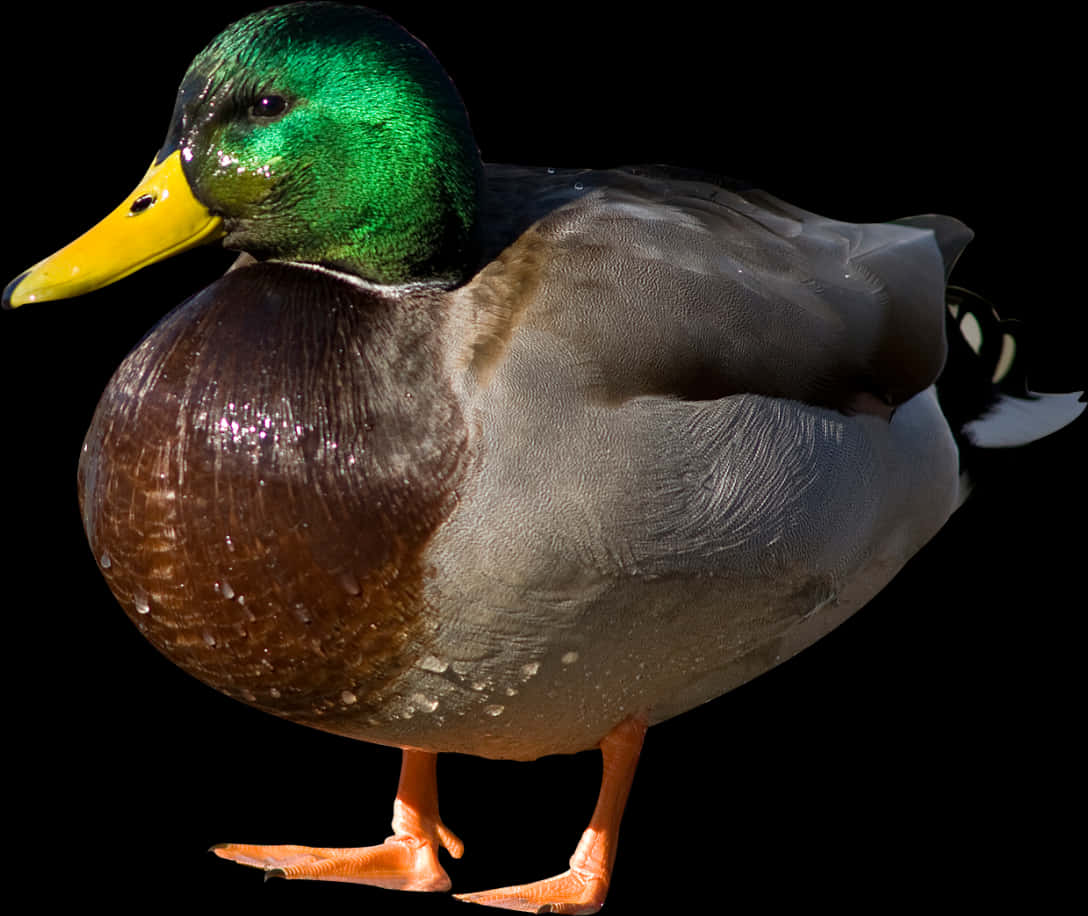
x: 314, y: 133
x: 327, y: 134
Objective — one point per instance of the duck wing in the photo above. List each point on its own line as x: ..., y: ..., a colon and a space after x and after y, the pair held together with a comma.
x: 682, y: 287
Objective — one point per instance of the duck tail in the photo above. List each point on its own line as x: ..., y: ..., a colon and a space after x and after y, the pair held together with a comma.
x: 983, y: 389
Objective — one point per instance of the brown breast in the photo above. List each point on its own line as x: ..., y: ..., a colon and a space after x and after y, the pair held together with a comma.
x: 261, y: 478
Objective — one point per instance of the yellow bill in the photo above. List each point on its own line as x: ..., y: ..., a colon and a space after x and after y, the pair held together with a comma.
x: 157, y: 220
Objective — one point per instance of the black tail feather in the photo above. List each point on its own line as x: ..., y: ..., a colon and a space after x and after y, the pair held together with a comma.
x: 983, y: 388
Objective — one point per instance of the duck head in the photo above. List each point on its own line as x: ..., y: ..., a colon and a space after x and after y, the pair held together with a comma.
x: 313, y: 133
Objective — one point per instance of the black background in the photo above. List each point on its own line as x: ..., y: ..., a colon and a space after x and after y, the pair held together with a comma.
x: 924, y: 753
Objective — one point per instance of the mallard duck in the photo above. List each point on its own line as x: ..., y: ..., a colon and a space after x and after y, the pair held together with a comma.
x: 500, y: 461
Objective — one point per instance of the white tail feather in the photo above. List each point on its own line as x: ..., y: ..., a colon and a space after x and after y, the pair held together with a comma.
x: 1013, y: 421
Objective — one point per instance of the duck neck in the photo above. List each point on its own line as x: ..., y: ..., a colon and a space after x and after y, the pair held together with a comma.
x: 409, y: 223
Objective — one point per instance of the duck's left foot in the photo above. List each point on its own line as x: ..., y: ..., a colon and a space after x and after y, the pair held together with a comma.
x: 571, y: 892
x: 407, y: 861
x: 403, y: 863
x: 583, y: 887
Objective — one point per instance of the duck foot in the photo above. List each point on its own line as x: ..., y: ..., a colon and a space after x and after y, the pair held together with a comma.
x: 407, y: 861
x: 583, y: 887
x: 571, y: 892
x: 400, y: 863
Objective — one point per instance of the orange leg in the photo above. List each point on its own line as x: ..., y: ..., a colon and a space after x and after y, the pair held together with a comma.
x: 583, y: 887
x: 408, y: 860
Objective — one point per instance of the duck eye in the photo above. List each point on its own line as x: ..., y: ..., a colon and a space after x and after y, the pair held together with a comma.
x: 268, y: 106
